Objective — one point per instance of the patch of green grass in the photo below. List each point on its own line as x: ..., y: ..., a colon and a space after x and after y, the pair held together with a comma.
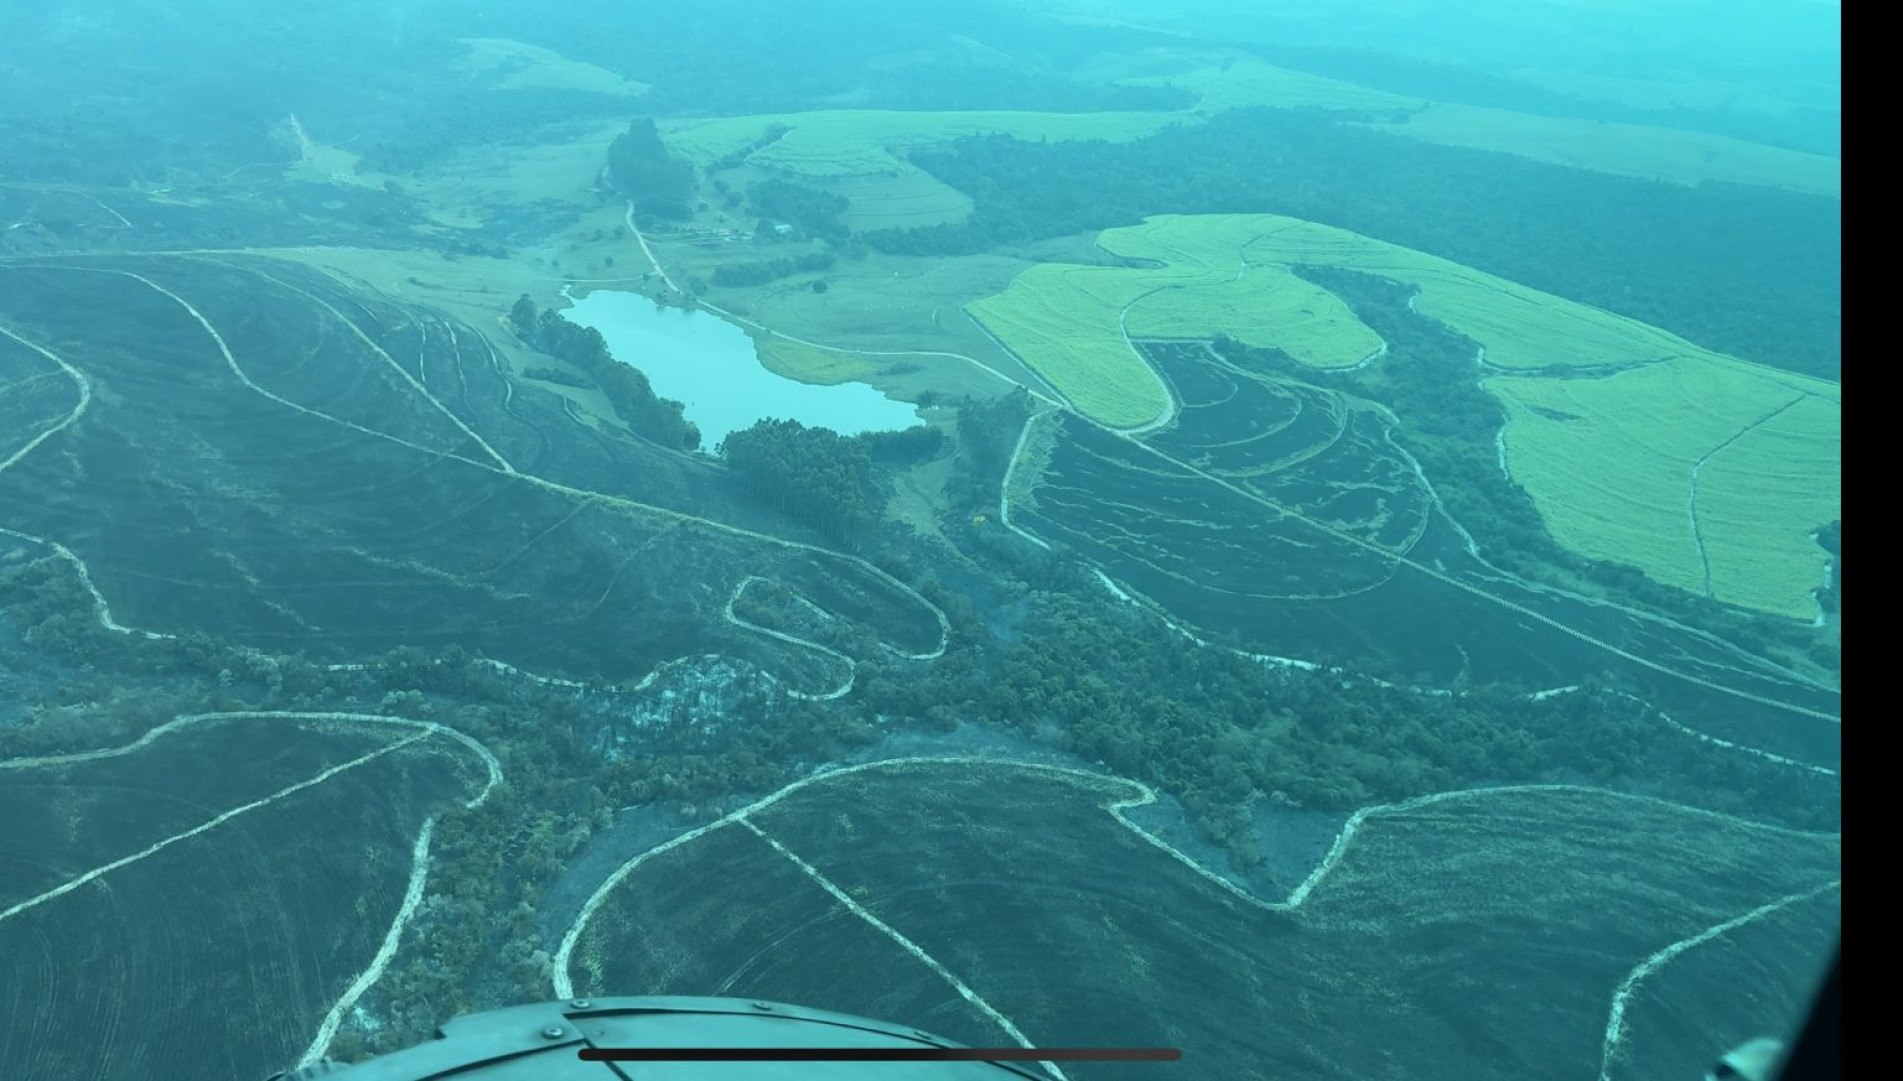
x: 1519, y: 327
x: 908, y: 201
x: 812, y: 364
x: 1609, y: 462
x: 1062, y: 320
x: 1068, y: 321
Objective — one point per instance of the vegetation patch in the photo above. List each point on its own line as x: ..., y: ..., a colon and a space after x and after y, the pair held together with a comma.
x: 1625, y: 148
x: 1708, y: 474
x: 813, y: 364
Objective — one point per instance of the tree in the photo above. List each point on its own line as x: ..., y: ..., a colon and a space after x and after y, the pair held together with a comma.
x: 642, y: 168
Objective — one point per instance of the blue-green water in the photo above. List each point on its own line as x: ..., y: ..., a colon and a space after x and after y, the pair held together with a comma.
x: 711, y: 366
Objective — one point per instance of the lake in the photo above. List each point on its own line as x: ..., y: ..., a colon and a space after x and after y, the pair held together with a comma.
x: 710, y: 366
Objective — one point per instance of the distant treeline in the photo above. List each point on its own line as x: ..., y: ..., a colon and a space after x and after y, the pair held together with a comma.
x: 626, y: 387
x: 1751, y: 271
x: 767, y: 270
x: 814, y: 212
x: 821, y: 477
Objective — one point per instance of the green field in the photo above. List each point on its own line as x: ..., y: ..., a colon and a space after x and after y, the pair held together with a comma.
x: 1068, y: 321
x: 1684, y: 157
x: 907, y: 201
x: 1610, y: 462
x: 1607, y: 458
x: 812, y: 364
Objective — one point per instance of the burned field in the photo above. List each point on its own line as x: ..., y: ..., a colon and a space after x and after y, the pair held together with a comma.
x: 1478, y: 934
x: 166, y: 909
x: 249, y: 449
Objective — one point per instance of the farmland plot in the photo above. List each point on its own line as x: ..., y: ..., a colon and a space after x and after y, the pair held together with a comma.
x: 1478, y: 935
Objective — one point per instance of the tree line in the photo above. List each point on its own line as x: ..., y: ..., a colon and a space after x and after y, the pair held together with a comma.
x: 626, y: 387
x: 643, y: 169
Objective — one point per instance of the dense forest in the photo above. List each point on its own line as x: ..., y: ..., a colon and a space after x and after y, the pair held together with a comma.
x: 626, y: 387
x: 828, y: 480
x: 1751, y: 271
x: 643, y: 169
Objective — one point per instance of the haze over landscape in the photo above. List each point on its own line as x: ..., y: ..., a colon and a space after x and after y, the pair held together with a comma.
x: 1304, y: 533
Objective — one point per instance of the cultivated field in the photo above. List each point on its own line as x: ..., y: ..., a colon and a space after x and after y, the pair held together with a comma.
x: 1073, y: 324
x: 859, y: 142
x: 1708, y: 474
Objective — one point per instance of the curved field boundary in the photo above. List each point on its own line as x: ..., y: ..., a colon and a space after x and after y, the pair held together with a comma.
x: 1615, y: 1023
x: 1143, y: 796
x: 944, y: 623
x: 852, y: 666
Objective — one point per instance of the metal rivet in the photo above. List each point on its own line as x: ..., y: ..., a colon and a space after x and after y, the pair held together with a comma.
x: 553, y: 1032
x: 763, y: 1005
x: 581, y: 1004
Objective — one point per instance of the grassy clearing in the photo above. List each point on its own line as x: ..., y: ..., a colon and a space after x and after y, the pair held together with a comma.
x: 1609, y: 462
x: 1758, y: 497
x: 811, y: 364
x: 910, y: 200
x: 881, y: 304
x: 1261, y: 305
x: 1068, y: 321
